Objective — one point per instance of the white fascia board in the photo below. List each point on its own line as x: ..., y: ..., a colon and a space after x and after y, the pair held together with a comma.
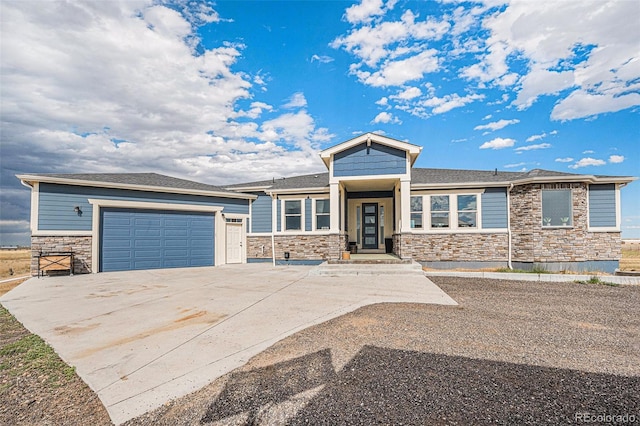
x: 459, y: 185
x: 58, y: 233
x: 150, y: 188
x: 249, y: 188
x: 100, y: 202
x: 299, y: 191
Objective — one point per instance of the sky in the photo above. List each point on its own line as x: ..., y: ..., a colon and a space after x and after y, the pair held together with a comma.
x: 236, y: 91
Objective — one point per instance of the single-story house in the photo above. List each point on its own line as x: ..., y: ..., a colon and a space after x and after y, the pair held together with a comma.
x: 371, y: 199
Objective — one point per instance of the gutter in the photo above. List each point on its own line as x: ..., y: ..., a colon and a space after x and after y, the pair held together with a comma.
x: 509, y: 265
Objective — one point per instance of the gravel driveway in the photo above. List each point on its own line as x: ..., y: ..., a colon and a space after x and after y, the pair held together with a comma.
x: 510, y: 353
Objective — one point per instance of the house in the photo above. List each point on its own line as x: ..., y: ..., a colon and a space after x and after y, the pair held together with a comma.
x: 371, y: 199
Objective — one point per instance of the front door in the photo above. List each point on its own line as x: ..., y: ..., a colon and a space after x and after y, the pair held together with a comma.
x: 370, y: 225
x: 234, y: 242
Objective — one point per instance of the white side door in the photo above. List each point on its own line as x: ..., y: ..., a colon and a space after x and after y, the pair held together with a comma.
x: 234, y: 242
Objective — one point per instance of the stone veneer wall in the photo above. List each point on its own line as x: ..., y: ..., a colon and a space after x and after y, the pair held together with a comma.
x: 80, y: 246
x: 452, y: 247
x: 300, y: 247
x: 533, y: 243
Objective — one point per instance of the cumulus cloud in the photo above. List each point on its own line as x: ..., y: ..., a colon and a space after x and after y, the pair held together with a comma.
x: 125, y: 86
x: 594, y: 57
x: 587, y: 161
x: 498, y: 143
x: 385, y: 117
x: 496, y: 125
x: 449, y: 102
x: 564, y: 160
x: 614, y: 159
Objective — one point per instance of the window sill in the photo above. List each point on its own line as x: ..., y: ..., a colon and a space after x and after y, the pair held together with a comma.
x: 557, y: 226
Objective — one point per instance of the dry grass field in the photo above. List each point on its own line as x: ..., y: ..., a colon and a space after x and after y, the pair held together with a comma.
x: 630, y: 256
x: 13, y: 263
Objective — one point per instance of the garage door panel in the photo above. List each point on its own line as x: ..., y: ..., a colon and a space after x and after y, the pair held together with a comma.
x: 149, y: 239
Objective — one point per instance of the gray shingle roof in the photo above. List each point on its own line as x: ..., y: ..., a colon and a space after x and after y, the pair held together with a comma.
x: 316, y: 180
x: 139, y: 179
x: 419, y: 176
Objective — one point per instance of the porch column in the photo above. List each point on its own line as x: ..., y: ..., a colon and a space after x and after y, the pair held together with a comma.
x: 405, y: 205
x: 334, y: 206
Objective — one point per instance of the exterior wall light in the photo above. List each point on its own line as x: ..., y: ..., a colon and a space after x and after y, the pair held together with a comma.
x: 77, y: 210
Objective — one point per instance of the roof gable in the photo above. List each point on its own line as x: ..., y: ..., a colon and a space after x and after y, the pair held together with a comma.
x: 412, y: 150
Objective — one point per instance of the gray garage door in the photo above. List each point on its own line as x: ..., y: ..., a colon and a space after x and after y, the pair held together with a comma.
x: 150, y: 239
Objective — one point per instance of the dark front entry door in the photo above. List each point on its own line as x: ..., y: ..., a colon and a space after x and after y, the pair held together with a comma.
x: 370, y: 225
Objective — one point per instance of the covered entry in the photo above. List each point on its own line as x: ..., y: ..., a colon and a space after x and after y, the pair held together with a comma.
x: 132, y: 239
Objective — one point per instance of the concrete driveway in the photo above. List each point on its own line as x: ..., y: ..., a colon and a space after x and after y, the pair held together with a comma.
x: 141, y: 338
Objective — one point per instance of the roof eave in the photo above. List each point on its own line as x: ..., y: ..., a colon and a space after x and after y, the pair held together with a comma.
x: 79, y: 182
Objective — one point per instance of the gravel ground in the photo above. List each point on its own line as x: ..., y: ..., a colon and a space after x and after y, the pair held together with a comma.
x: 510, y: 353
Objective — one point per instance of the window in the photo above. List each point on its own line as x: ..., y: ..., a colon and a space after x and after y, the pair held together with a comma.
x: 467, y: 211
x: 358, y: 224
x: 556, y: 207
x: 323, y: 218
x: 293, y: 215
x: 416, y: 212
x: 439, y: 211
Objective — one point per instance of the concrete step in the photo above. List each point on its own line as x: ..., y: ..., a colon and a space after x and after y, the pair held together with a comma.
x: 351, y: 269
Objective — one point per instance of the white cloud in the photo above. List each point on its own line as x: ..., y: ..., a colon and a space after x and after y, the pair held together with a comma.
x: 536, y: 137
x: 449, y: 102
x: 614, y: 159
x: 370, y: 43
x: 408, y: 94
x: 297, y: 100
x: 564, y: 160
x: 587, y: 55
x: 534, y: 147
x: 396, y: 73
x: 513, y: 166
x: 385, y: 117
x: 588, y: 161
x: 384, y: 101
x: 486, y: 117
x: 364, y: 12
x: 322, y: 58
x: 588, y: 151
x: 496, y: 125
x: 498, y: 143
x: 119, y: 86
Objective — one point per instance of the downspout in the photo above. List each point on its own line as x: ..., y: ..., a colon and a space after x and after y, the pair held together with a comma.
x: 509, y: 265
x: 274, y: 213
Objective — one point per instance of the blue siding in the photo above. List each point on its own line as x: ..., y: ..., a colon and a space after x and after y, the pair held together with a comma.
x: 494, y: 208
x: 56, y: 203
x: 308, y: 215
x: 602, y: 205
x: 261, y: 218
x: 361, y: 160
x: 133, y: 239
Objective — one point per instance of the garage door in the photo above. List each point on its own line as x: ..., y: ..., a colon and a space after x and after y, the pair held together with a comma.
x: 150, y: 239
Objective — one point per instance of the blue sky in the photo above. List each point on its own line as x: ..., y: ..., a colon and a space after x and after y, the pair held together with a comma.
x: 244, y: 90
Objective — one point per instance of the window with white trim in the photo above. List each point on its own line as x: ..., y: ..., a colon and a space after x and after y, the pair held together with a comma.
x: 439, y: 210
x: 416, y: 212
x: 292, y: 215
x: 323, y: 214
x: 467, y: 211
x: 556, y: 208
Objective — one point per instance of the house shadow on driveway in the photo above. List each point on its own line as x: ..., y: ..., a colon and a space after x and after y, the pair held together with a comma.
x: 390, y: 386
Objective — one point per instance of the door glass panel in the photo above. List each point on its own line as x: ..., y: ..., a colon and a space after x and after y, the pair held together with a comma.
x: 370, y: 209
x: 370, y: 241
x: 368, y: 220
x: 369, y: 230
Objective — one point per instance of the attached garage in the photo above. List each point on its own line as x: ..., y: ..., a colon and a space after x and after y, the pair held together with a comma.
x: 134, y: 239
